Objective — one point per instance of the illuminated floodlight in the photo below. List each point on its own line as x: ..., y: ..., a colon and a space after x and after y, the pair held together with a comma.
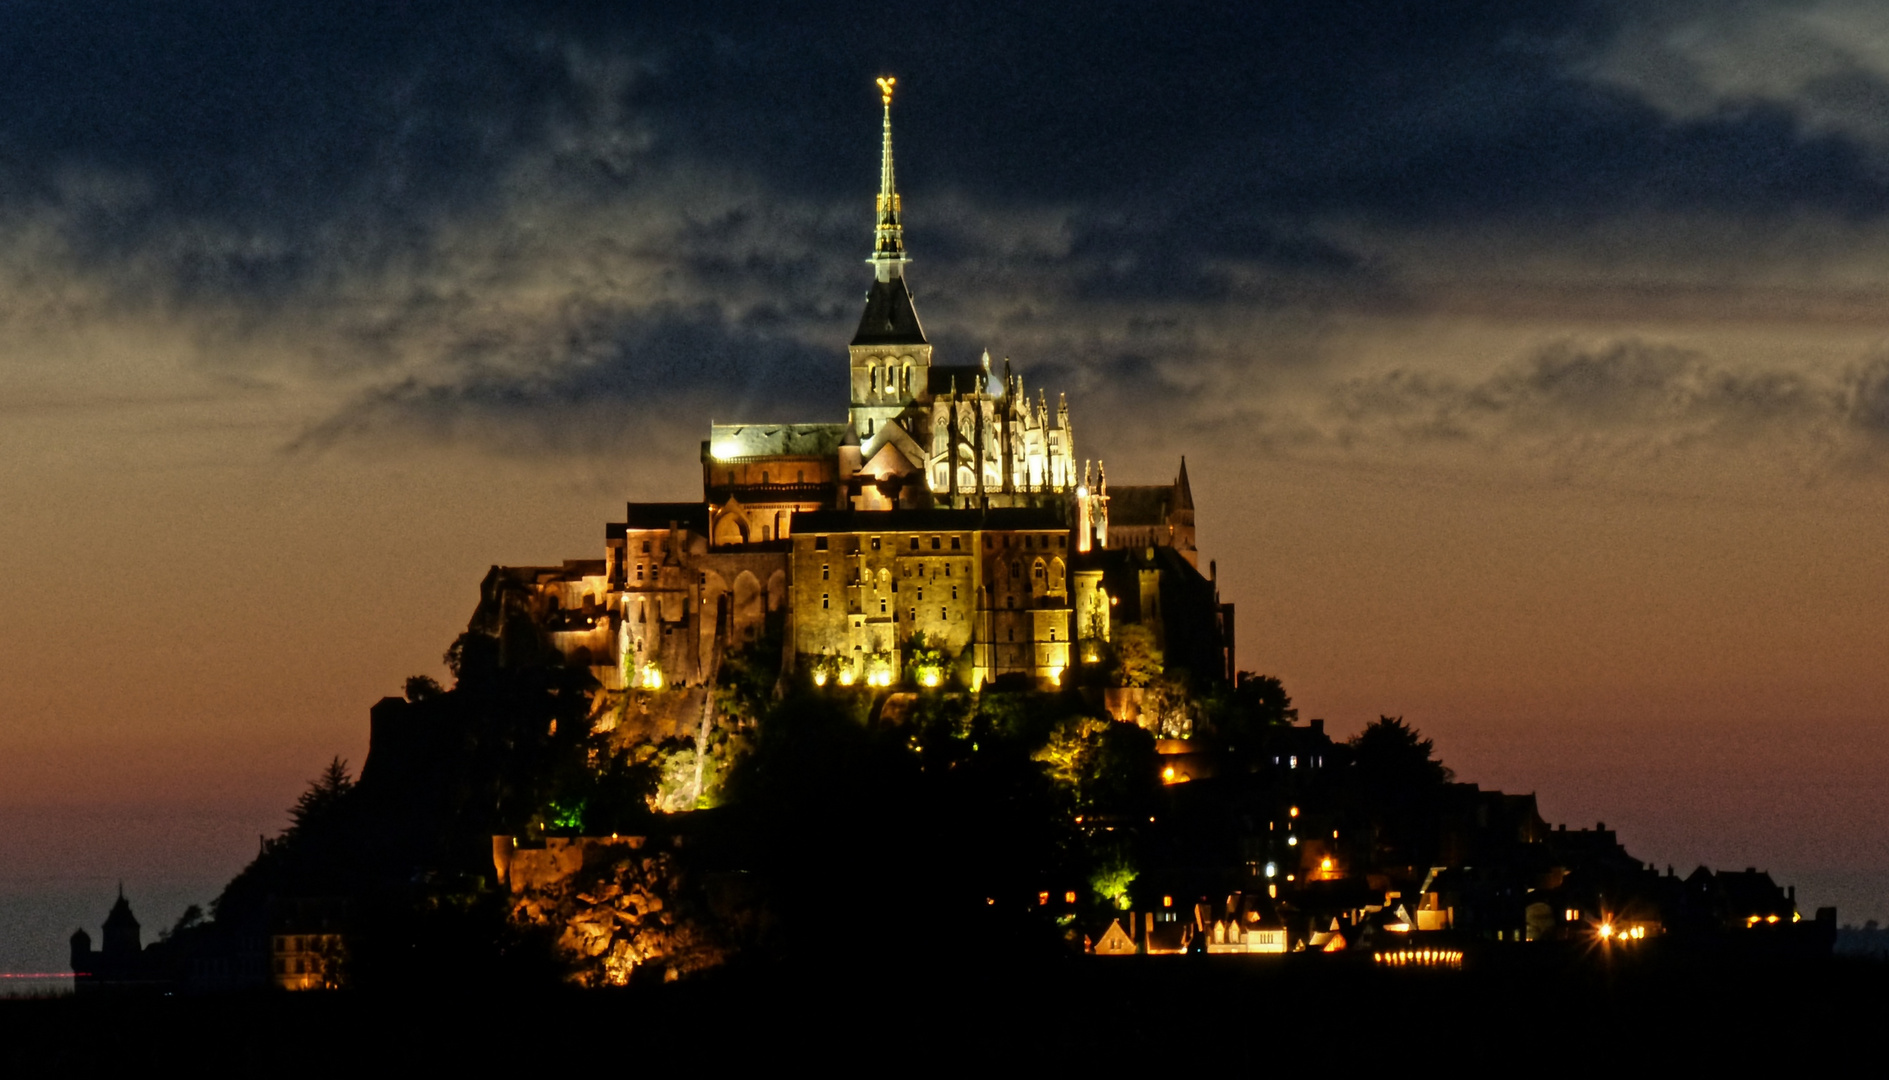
x: 846, y: 677
x: 1325, y: 864
x: 930, y: 677
x: 1292, y: 841
x: 723, y: 451
x: 1056, y: 676
x: 819, y: 678
x: 1272, y: 869
x: 1606, y: 930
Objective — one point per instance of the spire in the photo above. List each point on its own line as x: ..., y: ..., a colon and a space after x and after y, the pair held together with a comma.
x: 889, y: 318
x: 888, y: 244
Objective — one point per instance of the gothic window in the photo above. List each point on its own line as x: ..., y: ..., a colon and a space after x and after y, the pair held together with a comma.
x: 875, y: 379
x: 884, y: 575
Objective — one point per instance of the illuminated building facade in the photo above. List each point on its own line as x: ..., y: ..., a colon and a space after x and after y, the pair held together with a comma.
x: 948, y: 503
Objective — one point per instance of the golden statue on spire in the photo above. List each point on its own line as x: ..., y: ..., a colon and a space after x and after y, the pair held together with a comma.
x: 885, y: 88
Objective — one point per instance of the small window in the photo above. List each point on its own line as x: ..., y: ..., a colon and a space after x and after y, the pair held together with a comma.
x: 882, y: 605
x: 819, y: 543
x: 954, y: 592
x: 639, y: 571
x: 954, y: 543
x: 645, y: 547
x: 914, y: 616
x: 825, y: 601
x: 826, y: 571
x: 914, y: 543
x: 875, y: 543
x: 1062, y: 541
x: 947, y: 569
x: 1052, y: 633
x: 988, y: 542
x: 921, y: 594
x: 936, y: 543
x: 943, y: 614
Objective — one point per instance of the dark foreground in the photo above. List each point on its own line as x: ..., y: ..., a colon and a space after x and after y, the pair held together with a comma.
x: 931, y: 1009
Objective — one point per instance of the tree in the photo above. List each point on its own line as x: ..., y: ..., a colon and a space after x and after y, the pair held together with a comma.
x: 1137, y: 659
x: 317, y: 805
x: 1393, y: 756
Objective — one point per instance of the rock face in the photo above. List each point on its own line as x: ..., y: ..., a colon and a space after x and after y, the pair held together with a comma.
x: 621, y: 908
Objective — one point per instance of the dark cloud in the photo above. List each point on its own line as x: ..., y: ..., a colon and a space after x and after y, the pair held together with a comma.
x: 1625, y: 399
x: 615, y: 386
x: 527, y: 209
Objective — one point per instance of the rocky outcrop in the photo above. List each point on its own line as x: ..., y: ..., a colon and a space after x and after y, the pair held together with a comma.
x: 622, y: 909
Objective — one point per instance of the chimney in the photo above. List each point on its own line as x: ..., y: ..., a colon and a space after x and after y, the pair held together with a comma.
x: 1600, y: 826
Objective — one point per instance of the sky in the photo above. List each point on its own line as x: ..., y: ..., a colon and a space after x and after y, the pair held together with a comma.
x: 1529, y: 361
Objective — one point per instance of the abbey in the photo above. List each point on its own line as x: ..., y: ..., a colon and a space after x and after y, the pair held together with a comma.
x: 945, y: 517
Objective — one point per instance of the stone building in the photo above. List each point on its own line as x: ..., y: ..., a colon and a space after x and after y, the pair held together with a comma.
x: 947, y: 503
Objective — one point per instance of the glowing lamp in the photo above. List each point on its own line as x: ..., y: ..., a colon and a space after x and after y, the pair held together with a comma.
x: 1325, y: 864
x: 846, y: 678
x: 819, y: 678
x: 1292, y: 841
x: 930, y: 678
x: 1606, y: 930
x: 1272, y: 869
x: 1293, y: 812
x: 725, y: 450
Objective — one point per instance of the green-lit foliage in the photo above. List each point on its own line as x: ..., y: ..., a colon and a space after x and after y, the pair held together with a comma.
x: 1135, y: 658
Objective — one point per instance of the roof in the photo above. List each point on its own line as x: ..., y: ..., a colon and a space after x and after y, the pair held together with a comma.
x: 1140, y: 505
x: 942, y: 520
x: 121, y: 914
x: 964, y: 379
x: 688, y: 515
x: 889, y: 318
x: 733, y: 441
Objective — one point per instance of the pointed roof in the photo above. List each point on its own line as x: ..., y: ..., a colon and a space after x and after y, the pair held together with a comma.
x: 889, y: 318
x: 121, y: 913
x: 1183, y: 492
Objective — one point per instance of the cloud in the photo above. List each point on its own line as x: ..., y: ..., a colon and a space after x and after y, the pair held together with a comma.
x: 1624, y: 402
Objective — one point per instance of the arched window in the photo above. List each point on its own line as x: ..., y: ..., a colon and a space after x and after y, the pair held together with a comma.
x: 875, y: 379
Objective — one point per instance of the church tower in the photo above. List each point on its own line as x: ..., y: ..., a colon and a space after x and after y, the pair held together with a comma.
x: 891, y: 359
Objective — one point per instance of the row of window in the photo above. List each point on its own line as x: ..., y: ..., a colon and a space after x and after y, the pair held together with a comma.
x: 1043, y: 541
